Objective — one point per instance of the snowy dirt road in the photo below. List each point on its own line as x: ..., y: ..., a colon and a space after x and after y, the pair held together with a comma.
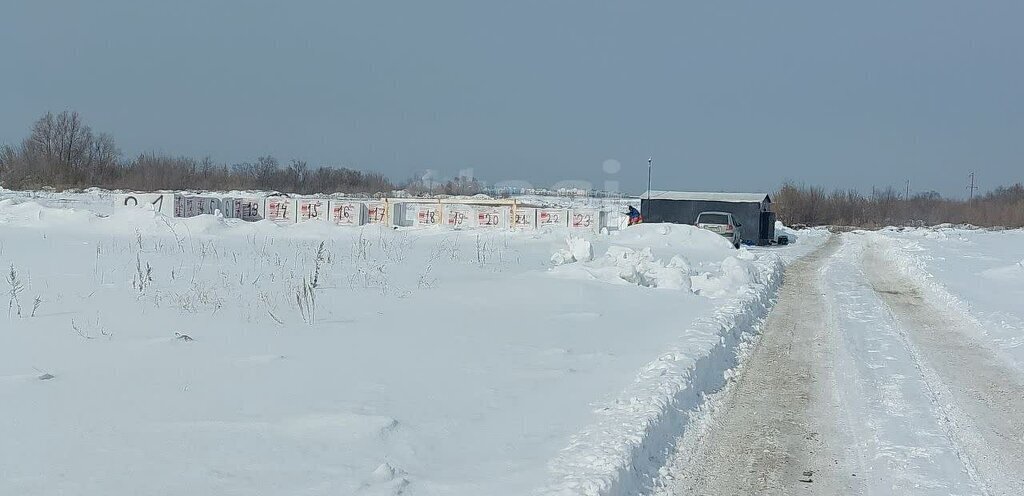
x: 775, y: 426
x: 980, y: 397
x: 858, y: 385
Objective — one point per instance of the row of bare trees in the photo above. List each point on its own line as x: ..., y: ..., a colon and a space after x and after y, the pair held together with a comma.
x: 812, y: 205
x: 63, y: 152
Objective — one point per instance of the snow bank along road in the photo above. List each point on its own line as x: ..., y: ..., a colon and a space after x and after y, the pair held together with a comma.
x: 869, y: 378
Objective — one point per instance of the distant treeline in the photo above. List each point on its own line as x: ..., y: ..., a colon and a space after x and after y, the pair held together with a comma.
x: 63, y: 152
x: 813, y: 206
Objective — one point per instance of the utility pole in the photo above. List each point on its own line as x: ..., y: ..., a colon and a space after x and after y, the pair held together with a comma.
x: 650, y: 160
x: 908, y: 191
x: 972, y: 187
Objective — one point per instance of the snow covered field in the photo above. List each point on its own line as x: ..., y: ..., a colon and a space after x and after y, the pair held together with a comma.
x: 146, y: 354
x: 978, y: 272
x: 150, y: 355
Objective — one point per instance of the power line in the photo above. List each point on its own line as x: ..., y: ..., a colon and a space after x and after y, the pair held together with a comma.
x: 649, y: 162
x: 972, y: 188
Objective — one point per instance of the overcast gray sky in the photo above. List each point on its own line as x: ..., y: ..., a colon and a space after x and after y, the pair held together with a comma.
x: 724, y: 95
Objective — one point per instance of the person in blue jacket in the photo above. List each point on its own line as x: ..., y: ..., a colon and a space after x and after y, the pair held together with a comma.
x: 634, y: 216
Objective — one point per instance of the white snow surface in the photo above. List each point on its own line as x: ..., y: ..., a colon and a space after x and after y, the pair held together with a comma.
x: 153, y: 355
x: 894, y: 430
x: 979, y: 273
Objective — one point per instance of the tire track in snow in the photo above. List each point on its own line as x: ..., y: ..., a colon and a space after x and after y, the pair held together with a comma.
x: 902, y: 445
x: 979, y: 397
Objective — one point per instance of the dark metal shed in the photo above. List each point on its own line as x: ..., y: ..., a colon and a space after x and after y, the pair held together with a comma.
x: 753, y: 210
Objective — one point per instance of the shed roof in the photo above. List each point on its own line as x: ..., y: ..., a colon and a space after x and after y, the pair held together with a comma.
x: 708, y: 196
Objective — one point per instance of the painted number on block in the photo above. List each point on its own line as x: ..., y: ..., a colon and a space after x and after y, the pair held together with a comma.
x: 310, y: 210
x: 582, y: 220
x: 247, y: 210
x: 488, y: 219
x: 131, y: 201
x: 457, y: 218
x: 278, y: 210
x: 428, y: 216
x: 550, y: 218
x: 377, y: 214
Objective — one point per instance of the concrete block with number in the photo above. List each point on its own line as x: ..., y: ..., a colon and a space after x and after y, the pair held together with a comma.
x: 280, y: 210
x: 347, y: 213
x: 159, y: 202
x: 552, y: 217
x: 492, y: 217
x: 525, y: 218
x: 247, y: 209
x: 585, y: 219
x: 457, y: 216
x: 427, y: 214
x: 377, y: 213
x: 191, y: 206
x: 311, y: 209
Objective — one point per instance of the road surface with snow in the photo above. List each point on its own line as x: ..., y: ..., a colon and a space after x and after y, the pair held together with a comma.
x: 872, y: 377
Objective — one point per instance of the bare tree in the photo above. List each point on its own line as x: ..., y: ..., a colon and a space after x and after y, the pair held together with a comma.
x: 60, y: 151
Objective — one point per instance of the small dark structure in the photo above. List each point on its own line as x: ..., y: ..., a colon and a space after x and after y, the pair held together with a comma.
x: 753, y: 210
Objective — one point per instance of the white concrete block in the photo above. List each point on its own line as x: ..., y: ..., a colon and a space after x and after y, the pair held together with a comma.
x: 552, y: 217
x: 280, y: 210
x: 311, y: 209
x: 158, y: 202
x: 347, y: 213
